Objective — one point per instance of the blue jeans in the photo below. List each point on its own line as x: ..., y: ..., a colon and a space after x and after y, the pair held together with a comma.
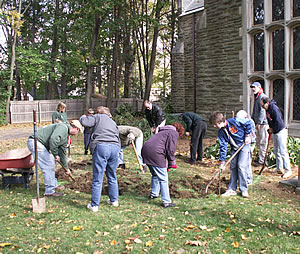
x: 239, y: 169
x: 86, y: 139
x: 159, y: 183
x: 46, y: 162
x: 138, y: 146
x: 280, y: 150
x: 105, y: 156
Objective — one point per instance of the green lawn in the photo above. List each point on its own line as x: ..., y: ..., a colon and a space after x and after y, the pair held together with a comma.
x: 208, y: 224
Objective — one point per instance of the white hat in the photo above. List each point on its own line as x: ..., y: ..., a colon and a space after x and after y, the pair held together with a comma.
x: 77, y: 124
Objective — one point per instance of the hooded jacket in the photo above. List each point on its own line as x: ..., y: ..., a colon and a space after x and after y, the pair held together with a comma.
x: 274, y: 117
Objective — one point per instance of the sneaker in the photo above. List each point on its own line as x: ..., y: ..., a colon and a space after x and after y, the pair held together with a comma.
x: 60, y: 188
x: 279, y: 171
x: 122, y: 166
x: 229, y: 193
x: 54, y: 194
x: 115, y: 203
x: 151, y: 197
x: 167, y: 205
x: 245, y: 194
x: 93, y: 208
x: 287, y: 174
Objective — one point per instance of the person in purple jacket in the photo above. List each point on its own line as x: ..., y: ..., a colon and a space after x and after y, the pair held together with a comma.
x: 234, y: 131
x: 277, y: 127
x: 159, y: 149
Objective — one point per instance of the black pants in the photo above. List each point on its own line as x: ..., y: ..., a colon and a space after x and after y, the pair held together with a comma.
x: 198, y: 133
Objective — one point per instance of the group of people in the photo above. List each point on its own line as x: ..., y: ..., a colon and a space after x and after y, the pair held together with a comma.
x: 239, y: 131
x: 106, y: 142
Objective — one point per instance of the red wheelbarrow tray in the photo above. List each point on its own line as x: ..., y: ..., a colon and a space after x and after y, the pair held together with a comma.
x: 17, y: 158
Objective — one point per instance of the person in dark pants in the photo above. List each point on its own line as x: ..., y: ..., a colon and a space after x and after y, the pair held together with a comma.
x: 197, y: 126
x: 87, y: 133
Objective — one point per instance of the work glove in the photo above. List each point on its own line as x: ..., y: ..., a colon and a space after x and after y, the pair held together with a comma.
x: 172, y: 168
x: 131, y: 137
x: 247, y: 139
x: 222, y: 165
x: 187, y: 134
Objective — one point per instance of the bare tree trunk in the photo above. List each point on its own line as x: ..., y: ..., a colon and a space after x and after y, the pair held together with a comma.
x: 12, y: 66
x: 89, y: 88
x: 99, y: 79
x: 149, y: 72
x: 51, y: 85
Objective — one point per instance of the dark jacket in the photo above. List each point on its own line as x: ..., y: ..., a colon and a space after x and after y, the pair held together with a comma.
x: 104, y: 129
x: 160, y: 147
x: 155, y: 116
x: 55, y: 138
x: 191, y: 119
x: 274, y: 117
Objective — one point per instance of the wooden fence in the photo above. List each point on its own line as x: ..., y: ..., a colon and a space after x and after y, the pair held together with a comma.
x: 21, y: 111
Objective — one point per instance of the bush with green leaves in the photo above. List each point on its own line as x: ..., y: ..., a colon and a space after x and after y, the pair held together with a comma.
x: 293, y: 146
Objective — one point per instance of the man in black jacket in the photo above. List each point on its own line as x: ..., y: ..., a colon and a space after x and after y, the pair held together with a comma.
x: 155, y: 116
x: 197, y: 126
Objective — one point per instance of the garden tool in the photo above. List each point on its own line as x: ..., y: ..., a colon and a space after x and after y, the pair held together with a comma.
x: 69, y: 175
x: 266, y: 155
x: 137, y: 157
x: 220, y: 170
x: 38, y: 204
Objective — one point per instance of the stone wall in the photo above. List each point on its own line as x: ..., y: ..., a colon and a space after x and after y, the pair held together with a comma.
x: 217, y: 63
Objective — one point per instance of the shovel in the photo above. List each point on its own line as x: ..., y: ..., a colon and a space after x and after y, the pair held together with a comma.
x: 266, y: 155
x: 38, y: 204
x: 69, y: 175
x: 219, y: 171
x: 137, y: 157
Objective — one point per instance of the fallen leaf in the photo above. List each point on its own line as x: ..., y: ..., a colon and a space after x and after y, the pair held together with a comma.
x: 244, y: 237
x: 127, y: 241
x: 195, y: 243
x: 161, y: 237
x: 296, y: 232
x: 227, y: 230
x: 76, y: 228
x: 129, y: 247
x: 249, y: 230
x: 5, y: 244
x: 186, y: 213
x: 270, y: 235
x: 116, y: 227
x: 189, y: 227
x: 113, y: 242
x: 105, y: 233
x: 149, y: 244
x: 203, y: 227
x: 235, y: 244
x: 253, y: 225
x: 13, y: 215
x: 137, y: 240
x: 210, y: 229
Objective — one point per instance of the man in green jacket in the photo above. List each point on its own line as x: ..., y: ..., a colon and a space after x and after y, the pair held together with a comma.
x: 52, y: 142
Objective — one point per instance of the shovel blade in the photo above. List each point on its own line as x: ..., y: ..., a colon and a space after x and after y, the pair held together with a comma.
x: 39, y: 205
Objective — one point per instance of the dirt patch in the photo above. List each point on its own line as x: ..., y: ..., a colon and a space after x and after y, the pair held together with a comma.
x: 192, y: 186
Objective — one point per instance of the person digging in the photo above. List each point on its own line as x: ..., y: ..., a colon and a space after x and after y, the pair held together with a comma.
x: 156, y: 151
x: 52, y: 142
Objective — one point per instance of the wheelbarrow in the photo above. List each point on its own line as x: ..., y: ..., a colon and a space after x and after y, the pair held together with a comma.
x: 16, y: 167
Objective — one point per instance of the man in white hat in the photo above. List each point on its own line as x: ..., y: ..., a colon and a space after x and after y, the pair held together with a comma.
x: 52, y: 142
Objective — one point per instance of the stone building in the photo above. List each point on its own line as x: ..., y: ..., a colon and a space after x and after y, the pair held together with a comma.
x: 223, y: 46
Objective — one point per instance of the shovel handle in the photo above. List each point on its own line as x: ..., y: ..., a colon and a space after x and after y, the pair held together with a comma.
x: 66, y: 171
x: 266, y: 155
x: 136, y: 155
x: 220, y: 171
